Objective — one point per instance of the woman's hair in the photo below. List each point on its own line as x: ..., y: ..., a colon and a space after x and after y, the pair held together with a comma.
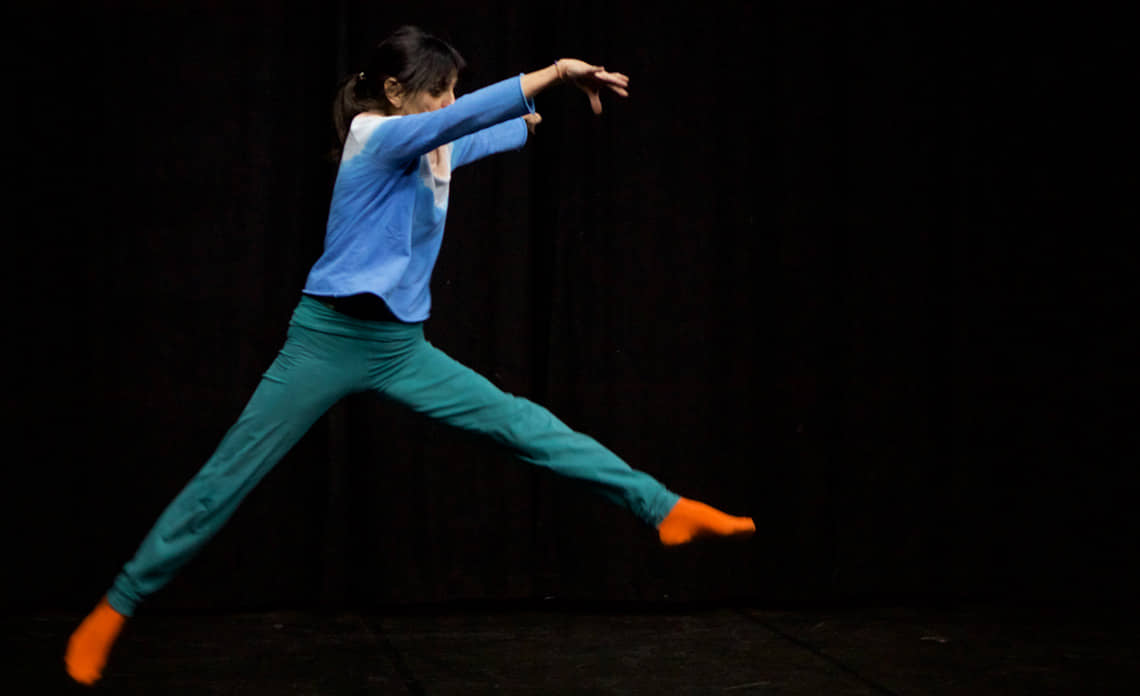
x: 419, y: 61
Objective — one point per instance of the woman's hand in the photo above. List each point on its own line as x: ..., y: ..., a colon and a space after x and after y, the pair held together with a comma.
x: 591, y: 79
x: 532, y: 121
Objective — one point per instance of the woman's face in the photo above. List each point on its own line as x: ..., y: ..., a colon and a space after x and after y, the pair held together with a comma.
x: 429, y: 100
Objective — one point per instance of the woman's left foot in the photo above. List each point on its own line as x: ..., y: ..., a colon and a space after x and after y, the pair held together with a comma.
x: 690, y: 520
x: 90, y: 644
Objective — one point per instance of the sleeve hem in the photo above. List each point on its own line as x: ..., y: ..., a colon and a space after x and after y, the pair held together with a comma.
x: 529, y: 102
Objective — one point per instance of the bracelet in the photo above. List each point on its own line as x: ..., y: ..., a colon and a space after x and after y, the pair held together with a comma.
x: 559, y: 71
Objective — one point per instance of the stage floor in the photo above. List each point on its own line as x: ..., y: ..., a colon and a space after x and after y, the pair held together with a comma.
x: 974, y: 650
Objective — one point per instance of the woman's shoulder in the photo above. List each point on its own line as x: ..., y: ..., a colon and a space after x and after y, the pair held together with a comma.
x: 361, y: 133
x: 373, y: 114
x: 368, y: 120
x: 361, y: 129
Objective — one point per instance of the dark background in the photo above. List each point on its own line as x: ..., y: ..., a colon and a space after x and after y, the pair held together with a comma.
x: 863, y: 273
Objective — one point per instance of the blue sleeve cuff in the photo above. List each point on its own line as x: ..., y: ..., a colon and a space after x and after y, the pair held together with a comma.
x: 529, y: 102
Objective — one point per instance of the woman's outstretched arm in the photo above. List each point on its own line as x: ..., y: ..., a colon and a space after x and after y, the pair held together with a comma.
x: 589, y: 78
x: 405, y: 138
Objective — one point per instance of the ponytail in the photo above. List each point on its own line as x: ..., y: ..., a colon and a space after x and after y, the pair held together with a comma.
x: 351, y: 99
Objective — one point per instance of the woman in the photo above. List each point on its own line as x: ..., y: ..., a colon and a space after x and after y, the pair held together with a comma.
x: 359, y: 324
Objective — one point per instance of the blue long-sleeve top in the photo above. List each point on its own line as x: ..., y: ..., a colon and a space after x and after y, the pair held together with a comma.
x: 388, y: 207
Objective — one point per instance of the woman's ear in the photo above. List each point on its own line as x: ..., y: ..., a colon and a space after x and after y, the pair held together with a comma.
x: 394, y: 92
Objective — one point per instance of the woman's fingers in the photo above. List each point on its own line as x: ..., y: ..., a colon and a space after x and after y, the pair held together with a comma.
x: 591, y: 78
x: 595, y: 100
x: 615, y: 82
x: 617, y: 79
x: 611, y: 79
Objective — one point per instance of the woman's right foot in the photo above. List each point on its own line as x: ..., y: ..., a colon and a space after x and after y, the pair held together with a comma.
x: 690, y: 520
x: 90, y: 644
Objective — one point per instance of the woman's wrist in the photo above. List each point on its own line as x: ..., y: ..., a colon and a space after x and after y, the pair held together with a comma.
x: 535, y: 82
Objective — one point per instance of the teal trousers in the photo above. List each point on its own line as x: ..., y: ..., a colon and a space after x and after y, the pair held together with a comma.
x: 328, y: 355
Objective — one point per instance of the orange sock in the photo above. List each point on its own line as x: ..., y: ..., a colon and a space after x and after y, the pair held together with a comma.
x: 91, y: 643
x: 689, y: 520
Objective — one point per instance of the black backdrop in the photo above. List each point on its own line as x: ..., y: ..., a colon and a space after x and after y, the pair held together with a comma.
x: 840, y: 268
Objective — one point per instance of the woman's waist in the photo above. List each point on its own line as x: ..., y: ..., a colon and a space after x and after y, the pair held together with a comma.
x: 364, y: 306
